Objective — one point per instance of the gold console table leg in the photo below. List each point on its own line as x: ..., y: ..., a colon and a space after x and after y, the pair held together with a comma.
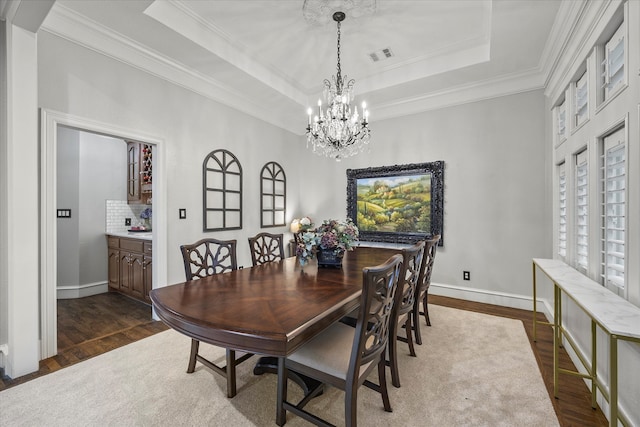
x: 535, y: 306
x: 556, y: 337
x: 613, y: 380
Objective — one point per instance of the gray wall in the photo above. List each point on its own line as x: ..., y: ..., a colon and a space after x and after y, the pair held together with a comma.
x: 91, y: 169
x: 83, y: 83
x: 103, y: 172
x: 68, y: 198
x: 496, y: 214
x: 493, y: 150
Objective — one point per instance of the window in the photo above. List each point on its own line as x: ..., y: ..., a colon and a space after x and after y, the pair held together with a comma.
x: 273, y: 195
x: 561, y: 121
x: 562, y: 211
x: 582, y: 212
x: 222, y: 191
x: 613, y: 211
x: 582, y: 100
x: 613, y: 63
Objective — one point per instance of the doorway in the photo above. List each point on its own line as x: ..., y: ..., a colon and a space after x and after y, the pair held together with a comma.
x: 51, y: 121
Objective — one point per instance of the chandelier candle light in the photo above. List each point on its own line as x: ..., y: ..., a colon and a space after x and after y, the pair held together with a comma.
x: 339, y: 131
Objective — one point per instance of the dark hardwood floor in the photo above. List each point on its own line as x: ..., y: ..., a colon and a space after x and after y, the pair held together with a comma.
x: 94, y: 325
x: 91, y: 326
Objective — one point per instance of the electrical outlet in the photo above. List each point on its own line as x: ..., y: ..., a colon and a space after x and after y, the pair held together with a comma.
x: 466, y: 275
x: 127, y: 221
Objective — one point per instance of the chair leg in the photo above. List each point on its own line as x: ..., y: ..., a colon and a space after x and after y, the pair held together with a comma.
x: 382, y: 377
x: 231, y: 373
x: 351, y: 406
x: 416, y: 322
x: 393, y: 357
x: 426, y: 309
x: 408, y: 329
x: 192, y: 357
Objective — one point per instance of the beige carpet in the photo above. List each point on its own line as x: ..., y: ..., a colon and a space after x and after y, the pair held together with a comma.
x: 472, y: 370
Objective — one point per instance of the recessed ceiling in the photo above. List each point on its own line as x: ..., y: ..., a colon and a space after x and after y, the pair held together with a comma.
x: 266, y: 59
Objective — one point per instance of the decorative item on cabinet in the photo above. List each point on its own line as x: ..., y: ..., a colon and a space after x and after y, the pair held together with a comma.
x: 139, y: 172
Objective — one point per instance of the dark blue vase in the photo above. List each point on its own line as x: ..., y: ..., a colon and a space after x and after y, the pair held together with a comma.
x: 329, y: 258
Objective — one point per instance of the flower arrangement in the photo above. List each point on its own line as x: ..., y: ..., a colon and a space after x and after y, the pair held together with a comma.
x: 146, y: 215
x: 303, y: 224
x: 331, y: 235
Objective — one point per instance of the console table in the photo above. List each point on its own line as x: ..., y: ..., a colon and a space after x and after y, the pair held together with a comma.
x: 617, y: 317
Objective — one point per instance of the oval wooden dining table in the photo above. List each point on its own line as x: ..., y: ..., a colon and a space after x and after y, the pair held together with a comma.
x: 270, y: 309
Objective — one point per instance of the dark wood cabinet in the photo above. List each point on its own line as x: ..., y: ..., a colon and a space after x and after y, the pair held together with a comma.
x: 130, y: 267
x: 114, y: 268
x: 139, y: 172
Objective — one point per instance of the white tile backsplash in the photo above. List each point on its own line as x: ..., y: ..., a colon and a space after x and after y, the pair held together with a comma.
x: 117, y: 211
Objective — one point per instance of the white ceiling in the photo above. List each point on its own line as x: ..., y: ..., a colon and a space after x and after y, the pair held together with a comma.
x: 264, y: 58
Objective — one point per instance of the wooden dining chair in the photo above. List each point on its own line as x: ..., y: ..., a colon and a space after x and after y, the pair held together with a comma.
x: 343, y: 356
x: 205, y: 258
x: 403, y: 306
x: 266, y: 247
x: 423, y: 286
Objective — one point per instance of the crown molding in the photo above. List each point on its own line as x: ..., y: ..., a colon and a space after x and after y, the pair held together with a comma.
x: 69, y: 25
x: 586, y: 20
x: 180, y: 18
x: 505, y: 85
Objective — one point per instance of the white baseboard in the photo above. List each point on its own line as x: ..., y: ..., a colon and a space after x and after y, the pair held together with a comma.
x: 86, y: 290
x: 523, y: 302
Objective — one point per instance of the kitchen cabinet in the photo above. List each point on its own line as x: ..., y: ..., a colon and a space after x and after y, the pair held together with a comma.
x: 139, y: 173
x: 130, y: 266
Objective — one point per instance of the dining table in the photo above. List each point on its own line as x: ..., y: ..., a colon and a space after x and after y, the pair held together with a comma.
x: 270, y: 309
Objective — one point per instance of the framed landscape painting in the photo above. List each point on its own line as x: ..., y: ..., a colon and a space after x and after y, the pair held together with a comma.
x: 397, y: 204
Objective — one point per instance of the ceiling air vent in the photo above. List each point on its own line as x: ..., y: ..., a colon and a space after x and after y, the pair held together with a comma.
x: 381, y: 54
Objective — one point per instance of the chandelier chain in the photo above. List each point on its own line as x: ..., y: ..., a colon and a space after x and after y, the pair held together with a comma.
x: 339, y: 74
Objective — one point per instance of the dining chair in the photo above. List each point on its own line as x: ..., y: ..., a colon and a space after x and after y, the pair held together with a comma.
x: 423, y: 286
x: 343, y: 356
x: 403, y: 306
x: 266, y: 247
x: 205, y: 258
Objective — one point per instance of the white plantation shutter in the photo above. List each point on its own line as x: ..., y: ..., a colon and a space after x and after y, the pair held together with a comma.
x: 562, y: 211
x: 582, y: 100
x: 561, y: 116
x: 613, y: 64
x: 614, y: 211
x: 582, y: 212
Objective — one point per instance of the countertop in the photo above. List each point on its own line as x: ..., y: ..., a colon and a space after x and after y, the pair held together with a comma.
x: 147, y: 235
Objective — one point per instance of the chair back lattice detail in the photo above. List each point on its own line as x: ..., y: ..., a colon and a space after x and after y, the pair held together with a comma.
x: 427, y: 263
x: 207, y: 257
x: 409, y: 278
x: 372, y: 329
x: 404, y: 305
x: 266, y: 247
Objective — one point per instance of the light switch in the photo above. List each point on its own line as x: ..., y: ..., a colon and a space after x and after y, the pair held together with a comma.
x: 64, y: 213
x: 182, y: 213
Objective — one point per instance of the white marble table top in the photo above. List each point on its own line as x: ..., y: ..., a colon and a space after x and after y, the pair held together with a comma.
x: 614, y: 314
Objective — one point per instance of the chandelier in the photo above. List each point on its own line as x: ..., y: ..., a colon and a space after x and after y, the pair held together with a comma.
x: 338, y: 131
